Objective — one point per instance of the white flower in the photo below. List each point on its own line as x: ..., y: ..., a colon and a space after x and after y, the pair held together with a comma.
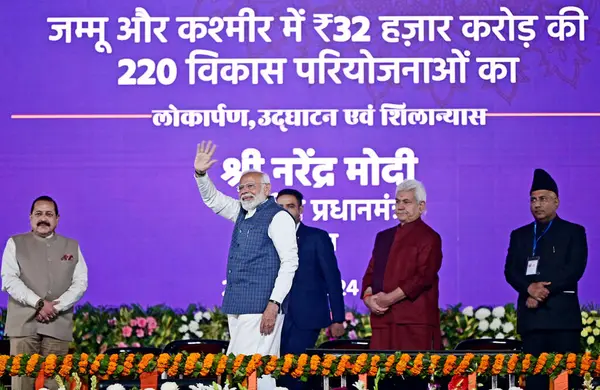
x: 584, y: 333
x: 596, y: 332
x: 186, y: 336
x: 485, y: 337
x: 498, y: 312
x: 169, y: 386
x: 199, y: 334
x: 496, y: 324
x: 468, y: 311
x: 115, y: 386
x: 183, y: 329
x: 206, y: 316
x: 483, y: 325
x: 194, y: 326
x: 598, y: 323
x: 511, y: 338
x: 508, y: 327
x: 198, y: 316
x: 590, y: 340
x: 584, y: 314
x: 184, y: 319
x: 359, y: 385
x: 200, y: 386
x: 482, y: 313
x: 500, y: 336
x: 590, y: 321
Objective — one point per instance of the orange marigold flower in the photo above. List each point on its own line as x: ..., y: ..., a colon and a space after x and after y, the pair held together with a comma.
x: 484, y: 364
x: 31, y: 363
x: 315, y: 362
x: 498, y: 364
x: 359, y: 363
x: 174, y: 369
x: 374, y: 365
x: 271, y: 365
x: 512, y: 363
x: 449, y: 364
x: 191, y: 362
x: 3, y: 361
x: 586, y: 363
x: 222, y: 365
x: 526, y: 363
x: 83, y: 363
x: 417, y: 366
x: 541, y: 362
x: 16, y: 365
x: 401, y: 366
x: 288, y: 360
x: 327, y: 362
x: 302, y: 360
x: 435, y: 359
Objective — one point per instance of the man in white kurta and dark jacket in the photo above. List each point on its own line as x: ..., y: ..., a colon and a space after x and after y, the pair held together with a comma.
x: 44, y: 274
x: 262, y: 261
x: 545, y: 261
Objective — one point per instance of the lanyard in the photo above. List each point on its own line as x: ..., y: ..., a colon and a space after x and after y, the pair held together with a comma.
x: 535, y: 240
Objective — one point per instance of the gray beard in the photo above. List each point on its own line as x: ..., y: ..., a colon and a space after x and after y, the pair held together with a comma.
x: 250, y: 205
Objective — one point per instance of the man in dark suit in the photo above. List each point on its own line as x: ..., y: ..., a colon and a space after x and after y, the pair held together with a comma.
x: 317, y: 286
x: 545, y: 261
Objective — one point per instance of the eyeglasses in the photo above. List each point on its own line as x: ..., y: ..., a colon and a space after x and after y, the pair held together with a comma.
x: 249, y: 186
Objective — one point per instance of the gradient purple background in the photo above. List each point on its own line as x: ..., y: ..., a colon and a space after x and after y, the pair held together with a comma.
x: 126, y: 190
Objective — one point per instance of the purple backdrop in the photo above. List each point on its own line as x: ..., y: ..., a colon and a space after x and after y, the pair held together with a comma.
x: 126, y: 189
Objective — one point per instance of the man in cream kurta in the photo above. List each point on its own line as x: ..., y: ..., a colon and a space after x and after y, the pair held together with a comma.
x: 44, y: 274
x: 263, y: 258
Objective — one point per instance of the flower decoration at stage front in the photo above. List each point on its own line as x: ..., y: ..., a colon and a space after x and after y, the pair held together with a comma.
x: 590, y: 334
x: 195, y: 365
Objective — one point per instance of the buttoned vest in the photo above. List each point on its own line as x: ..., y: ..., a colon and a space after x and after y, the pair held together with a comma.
x: 47, y: 267
x: 253, y: 262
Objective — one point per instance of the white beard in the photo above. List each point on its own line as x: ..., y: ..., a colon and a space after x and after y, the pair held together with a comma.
x: 253, y: 203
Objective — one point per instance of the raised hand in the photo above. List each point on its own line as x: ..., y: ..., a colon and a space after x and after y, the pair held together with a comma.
x: 204, y: 160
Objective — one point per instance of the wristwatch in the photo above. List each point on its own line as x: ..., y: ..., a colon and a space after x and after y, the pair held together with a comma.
x: 275, y: 302
x: 39, y: 304
x: 199, y: 173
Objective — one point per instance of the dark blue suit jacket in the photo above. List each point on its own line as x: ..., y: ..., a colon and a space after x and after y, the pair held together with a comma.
x: 317, y: 283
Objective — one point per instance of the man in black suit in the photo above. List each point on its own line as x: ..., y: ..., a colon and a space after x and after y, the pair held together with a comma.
x: 317, y: 287
x: 545, y: 261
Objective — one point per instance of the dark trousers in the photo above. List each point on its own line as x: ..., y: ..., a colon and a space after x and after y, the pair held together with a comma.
x: 295, y: 341
x: 552, y: 341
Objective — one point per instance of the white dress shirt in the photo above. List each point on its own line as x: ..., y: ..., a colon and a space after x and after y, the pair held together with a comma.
x: 282, y: 232
x: 12, y: 283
